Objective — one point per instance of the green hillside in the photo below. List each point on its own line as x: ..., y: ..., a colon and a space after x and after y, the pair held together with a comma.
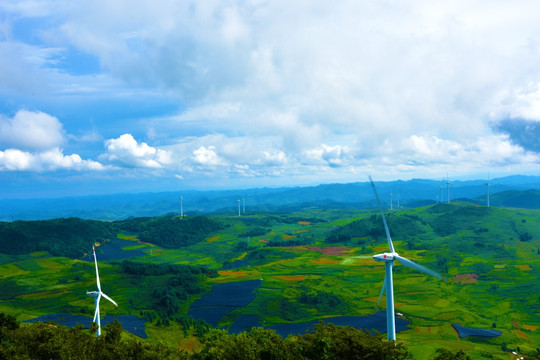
x: 527, y: 199
x: 314, y: 264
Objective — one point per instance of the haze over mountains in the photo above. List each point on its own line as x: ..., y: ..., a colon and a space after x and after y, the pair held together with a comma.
x: 512, y: 191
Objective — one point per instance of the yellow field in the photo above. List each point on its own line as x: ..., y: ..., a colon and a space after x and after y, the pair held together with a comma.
x: 126, y: 237
x: 524, y: 267
x: 325, y: 261
x: 9, y: 270
x: 44, y: 294
x: 291, y: 278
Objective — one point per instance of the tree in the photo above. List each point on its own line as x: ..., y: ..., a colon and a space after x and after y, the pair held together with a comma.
x: 256, y: 344
x: 443, y: 354
x: 344, y: 342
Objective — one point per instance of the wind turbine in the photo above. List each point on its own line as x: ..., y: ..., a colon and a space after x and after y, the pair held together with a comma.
x: 97, y: 295
x: 181, y: 207
x: 487, y: 191
x: 388, y: 259
x: 448, y: 187
x: 238, y: 207
x: 441, y: 188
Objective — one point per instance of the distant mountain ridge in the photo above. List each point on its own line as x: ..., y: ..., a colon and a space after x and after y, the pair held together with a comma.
x: 511, y: 191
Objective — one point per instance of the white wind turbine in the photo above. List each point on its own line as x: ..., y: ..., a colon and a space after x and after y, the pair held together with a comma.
x: 97, y: 295
x: 388, y: 259
x: 181, y: 206
x: 448, y: 187
x: 487, y: 191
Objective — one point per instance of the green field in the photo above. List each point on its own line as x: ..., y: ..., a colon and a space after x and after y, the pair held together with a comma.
x: 296, y: 256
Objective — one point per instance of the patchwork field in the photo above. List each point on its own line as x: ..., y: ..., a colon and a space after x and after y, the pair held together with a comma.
x: 316, y: 265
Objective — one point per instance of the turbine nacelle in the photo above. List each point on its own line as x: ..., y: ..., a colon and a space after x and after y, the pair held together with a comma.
x: 92, y: 293
x: 385, y: 257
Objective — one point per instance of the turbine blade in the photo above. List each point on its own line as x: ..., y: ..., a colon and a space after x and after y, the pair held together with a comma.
x: 390, y: 245
x: 411, y: 264
x: 97, y: 273
x: 108, y: 298
x: 382, y: 292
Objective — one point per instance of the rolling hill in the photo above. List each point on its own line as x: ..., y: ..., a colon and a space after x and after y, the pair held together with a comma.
x: 410, y: 193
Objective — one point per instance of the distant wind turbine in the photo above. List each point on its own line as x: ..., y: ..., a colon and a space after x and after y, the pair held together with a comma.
x: 441, y: 197
x: 388, y: 259
x: 448, y: 187
x: 244, y: 205
x: 181, y: 206
x: 487, y: 191
x: 238, y: 207
x: 97, y: 295
x: 391, y: 201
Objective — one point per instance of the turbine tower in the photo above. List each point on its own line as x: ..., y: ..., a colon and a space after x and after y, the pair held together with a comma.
x: 238, y: 207
x: 448, y: 187
x: 388, y: 259
x: 391, y: 201
x: 244, y: 205
x: 441, y: 197
x: 97, y: 295
x: 487, y: 191
x: 181, y: 207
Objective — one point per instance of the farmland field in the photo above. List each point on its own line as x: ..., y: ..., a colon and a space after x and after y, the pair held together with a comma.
x: 311, y: 266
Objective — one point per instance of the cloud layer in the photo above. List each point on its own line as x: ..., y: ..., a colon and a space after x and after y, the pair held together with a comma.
x: 304, y: 91
x: 31, y: 141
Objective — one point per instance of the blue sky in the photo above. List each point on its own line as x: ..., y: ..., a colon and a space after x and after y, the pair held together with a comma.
x: 103, y: 97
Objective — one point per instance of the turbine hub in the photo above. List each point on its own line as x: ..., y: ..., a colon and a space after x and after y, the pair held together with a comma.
x: 384, y: 257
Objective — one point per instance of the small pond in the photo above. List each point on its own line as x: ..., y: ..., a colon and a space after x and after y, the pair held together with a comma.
x: 223, y: 299
x: 113, y: 250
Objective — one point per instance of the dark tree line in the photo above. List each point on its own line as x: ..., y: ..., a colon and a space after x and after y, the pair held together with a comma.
x: 186, y: 281
x: 327, y: 342
x: 61, y: 237
x: 73, y: 237
x: 137, y: 268
x: 171, y: 231
x: 298, y: 241
x: 369, y: 227
x: 323, y: 301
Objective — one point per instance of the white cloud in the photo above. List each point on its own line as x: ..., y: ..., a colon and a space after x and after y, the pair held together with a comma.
x: 275, y: 157
x: 126, y: 152
x: 488, y: 151
x: 333, y: 156
x: 207, y: 156
x: 50, y: 160
x: 30, y: 130
x: 32, y: 143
